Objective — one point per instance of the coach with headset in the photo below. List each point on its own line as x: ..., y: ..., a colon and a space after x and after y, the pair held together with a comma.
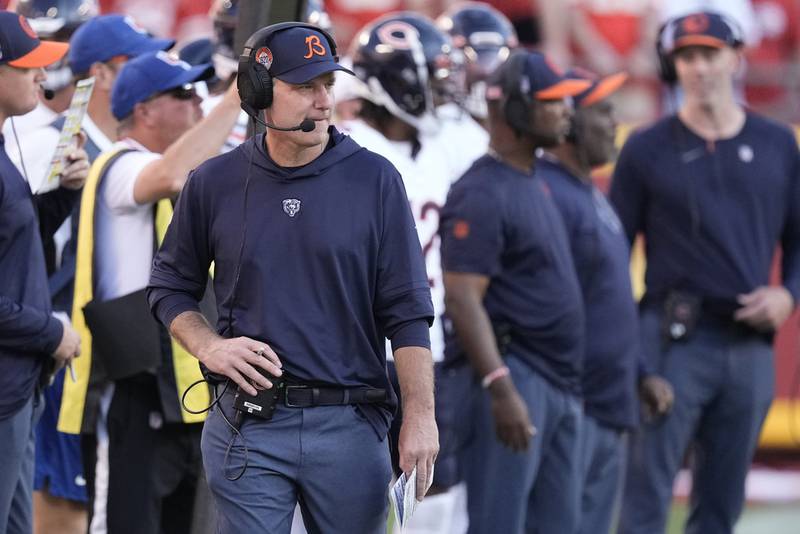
x: 714, y: 189
x: 316, y: 262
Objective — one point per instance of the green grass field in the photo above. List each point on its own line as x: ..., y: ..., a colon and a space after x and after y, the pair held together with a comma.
x: 757, y: 519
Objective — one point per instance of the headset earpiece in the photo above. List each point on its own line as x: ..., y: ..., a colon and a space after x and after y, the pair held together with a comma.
x: 666, y: 66
x: 574, y: 127
x: 517, y: 105
x: 262, y: 97
x: 253, y: 79
x: 243, y: 82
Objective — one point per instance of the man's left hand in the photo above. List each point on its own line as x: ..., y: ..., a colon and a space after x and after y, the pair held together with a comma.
x: 76, y: 166
x: 657, y: 397
x: 765, y: 308
x: 418, y: 446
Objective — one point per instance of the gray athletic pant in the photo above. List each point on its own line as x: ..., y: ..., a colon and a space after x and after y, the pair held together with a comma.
x: 17, y: 439
x: 723, y: 381
x: 328, y: 459
x: 536, y: 491
x: 602, y: 455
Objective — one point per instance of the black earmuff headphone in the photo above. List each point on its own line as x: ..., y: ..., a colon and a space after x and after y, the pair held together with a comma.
x: 666, y: 41
x: 252, y: 78
x: 575, y: 127
x: 666, y: 67
x: 516, y: 93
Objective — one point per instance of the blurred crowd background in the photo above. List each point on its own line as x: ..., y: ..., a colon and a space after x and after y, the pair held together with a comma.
x: 605, y: 36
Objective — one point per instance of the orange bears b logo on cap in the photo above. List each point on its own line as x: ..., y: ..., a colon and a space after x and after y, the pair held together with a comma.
x: 695, y: 23
x: 315, y: 47
x: 264, y: 57
x: 23, y: 22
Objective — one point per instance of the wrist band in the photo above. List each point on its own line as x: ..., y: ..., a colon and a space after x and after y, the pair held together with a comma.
x: 500, y: 372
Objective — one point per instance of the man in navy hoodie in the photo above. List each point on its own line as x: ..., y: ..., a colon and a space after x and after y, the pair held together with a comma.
x: 316, y: 262
x: 714, y: 189
x: 33, y: 343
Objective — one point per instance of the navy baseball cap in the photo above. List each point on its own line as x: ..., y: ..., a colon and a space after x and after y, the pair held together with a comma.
x: 21, y: 47
x: 297, y: 55
x: 107, y: 36
x: 150, y: 74
x: 539, y: 77
x: 599, y: 89
x: 701, y: 29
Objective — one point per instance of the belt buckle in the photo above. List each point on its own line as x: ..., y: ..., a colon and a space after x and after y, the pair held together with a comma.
x: 286, y: 395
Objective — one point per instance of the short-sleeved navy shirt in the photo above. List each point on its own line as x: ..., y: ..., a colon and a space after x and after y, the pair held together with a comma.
x: 601, y: 255
x: 502, y: 223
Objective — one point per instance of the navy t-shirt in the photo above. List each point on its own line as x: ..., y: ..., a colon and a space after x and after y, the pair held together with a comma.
x: 28, y: 333
x: 712, y: 214
x: 502, y: 223
x: 601, y: 255
x: 331, y: 264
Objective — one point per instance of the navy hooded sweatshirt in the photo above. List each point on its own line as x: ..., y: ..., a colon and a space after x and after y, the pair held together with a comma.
x: 331, y: 263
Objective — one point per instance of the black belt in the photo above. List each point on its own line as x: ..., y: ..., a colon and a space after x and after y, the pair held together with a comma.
x: 715, y: 313
x: 303, y: 396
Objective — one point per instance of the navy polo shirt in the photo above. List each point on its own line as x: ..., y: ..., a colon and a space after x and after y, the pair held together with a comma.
x: 28, y: 333
x: 502, y: 223
x: 331, y: 264
x: 712, y: 214
x: 601, y: 255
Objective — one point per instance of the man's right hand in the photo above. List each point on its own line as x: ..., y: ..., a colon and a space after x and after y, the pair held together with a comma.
x: 511, y: 420
x: 238, y: 358
x: 69, y: 347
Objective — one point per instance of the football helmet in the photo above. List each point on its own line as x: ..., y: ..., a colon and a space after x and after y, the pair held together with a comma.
x: 486, y: 38
x: 407, y: 65
x: 56, y: 20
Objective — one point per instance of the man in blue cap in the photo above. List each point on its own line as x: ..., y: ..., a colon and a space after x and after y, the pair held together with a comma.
x: 515, y: 303
x: 153, y: 443
x: 33, y: 343
x: 316, y: 263
x: 714, y: 190
x: 98, y: 48
x: 612, y: 372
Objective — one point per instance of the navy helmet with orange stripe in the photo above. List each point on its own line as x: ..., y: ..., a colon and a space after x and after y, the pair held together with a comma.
x: 408, y: 66
x: 55, y: 20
